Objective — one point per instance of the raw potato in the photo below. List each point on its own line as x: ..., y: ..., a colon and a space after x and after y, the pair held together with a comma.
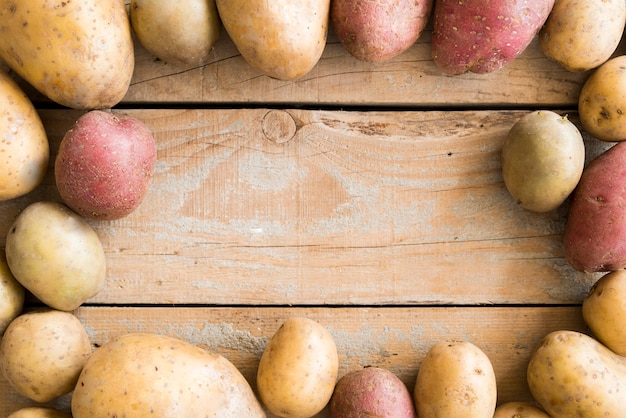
x: 455, y: 379
x: 43, y: 352
x: 543, y: 158
x: 283, y: 39
x: 179, y: 32
x: 38, y: 412
x: 11, y: 295
x: 583, y: 34
x: 519, y: 410
x: 572, y: 375
x: 483, y: 36
x: 371, y: 392
x: 602, y: 101
x: 24, y: 149
x: 604, y: 311
x: 142, y: 374
x: 105, y: 164
x: 56, y: 255
x: 595, y: 232
x: 298, y: 369
x: 77, y: 53
x: 376, y: 31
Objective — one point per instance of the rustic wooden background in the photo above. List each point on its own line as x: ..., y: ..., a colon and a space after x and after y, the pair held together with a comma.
x: 366, y: 196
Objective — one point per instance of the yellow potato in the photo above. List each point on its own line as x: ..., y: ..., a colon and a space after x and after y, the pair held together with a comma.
x: 38, y: 412
x: 283, y: 39
x: 604, y: 311
x: 519, y: 410
x: 583, y: 34
x: 11, y: 295
x: 455, y: 379
x: 42, y: 353
x: 140, y: 375
x: 298, y: 369
x: 179, y: 32
x: 77, y: 53
x: 602, y: 101
x: 24, y: 149
x: 572, y: 375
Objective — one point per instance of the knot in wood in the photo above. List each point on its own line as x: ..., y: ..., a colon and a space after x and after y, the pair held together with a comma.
x: 279, y: 126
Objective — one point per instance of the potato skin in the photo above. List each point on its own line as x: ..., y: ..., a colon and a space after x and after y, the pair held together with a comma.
x: 24, y: 148
x: 604, y: 311
x: 571, y: 374
x: 455, y: 379
x: 298, y: 369
x: 519, y: 410
x: 482, y: 37
x: 376, y: 31
x: 602, y: 101
x: 543, y: 157
x: 77, y: 53
x: 38, y: 412
x: 43, y: 352
x: 595, y: 232
x: 11, y: 295
x: 142, y: 374
x: 583, y: 34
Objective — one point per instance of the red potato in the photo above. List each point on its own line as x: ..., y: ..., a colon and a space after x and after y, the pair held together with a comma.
x: 595, y: 233
x: 483, y: 36
x: 371, y: 392
x: 376, y: 31
x: 105, y: 165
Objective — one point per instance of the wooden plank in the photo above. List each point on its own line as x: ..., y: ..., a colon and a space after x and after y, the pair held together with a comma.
x: 394, y: 338
x: 366, y: 208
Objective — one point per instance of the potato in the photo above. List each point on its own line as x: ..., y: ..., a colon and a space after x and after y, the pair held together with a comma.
x: 298, y: 369
x: 583, y: 34
x: 604, y: 311
x: 56, y: 255
x: 455, y: 379
x: 543, y: 157
x: 142, y: 374
x: 38, y: 412
x: 105, y: 164
x: 11, y: 295
x: 519, y: 410
x: 595, y: 232
x: 42, y: 353
x: 283, y: 39
x: 482, y: 37
x: 77, y: 53
x: 179, y: 32
x: 572, y: 375
x: 602, y: 101
x: 371, y: 392
x: 376, y: 31
x: 24, y: 149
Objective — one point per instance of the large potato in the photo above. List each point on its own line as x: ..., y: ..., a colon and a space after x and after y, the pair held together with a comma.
x: 42, y: 353
x: 483, y: 36
x: 140, y: 374
x: 455, y: 379
x: 38, y: 412
x: 583, y: 34
x: 376, y: 31
x: 179, y: 32
x: 604, y: 311
x: 543, y: 158
x: 519, y: 410
x: 283, y: 39
x: 602, y: 101
x: 595, y: 233
x: 298, y: 369
x: 56, y: 255
x: 11, y: 295
x: 572, y: 375
x: 78, y: 53
x: 24, y: 149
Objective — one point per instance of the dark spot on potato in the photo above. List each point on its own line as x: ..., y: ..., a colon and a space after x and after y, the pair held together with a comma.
x: 605, y: 114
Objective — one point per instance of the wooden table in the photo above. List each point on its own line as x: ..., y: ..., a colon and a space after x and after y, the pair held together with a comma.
x: 366, y: 196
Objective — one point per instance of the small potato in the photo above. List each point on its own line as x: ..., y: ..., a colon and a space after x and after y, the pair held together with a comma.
x: 298, y: 369
x: 604, y: 311
x: 602, y: 101
x: 43, y: 352
x: 455, y: 379
x: 38, y: 412
x: 11, y: 295
x: 519, y: 410
x: 583, y: 34
x: 179, y: 32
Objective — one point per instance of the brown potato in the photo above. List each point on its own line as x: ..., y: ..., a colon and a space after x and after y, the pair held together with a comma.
x: 11, y: 295
x: 519, y: 410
